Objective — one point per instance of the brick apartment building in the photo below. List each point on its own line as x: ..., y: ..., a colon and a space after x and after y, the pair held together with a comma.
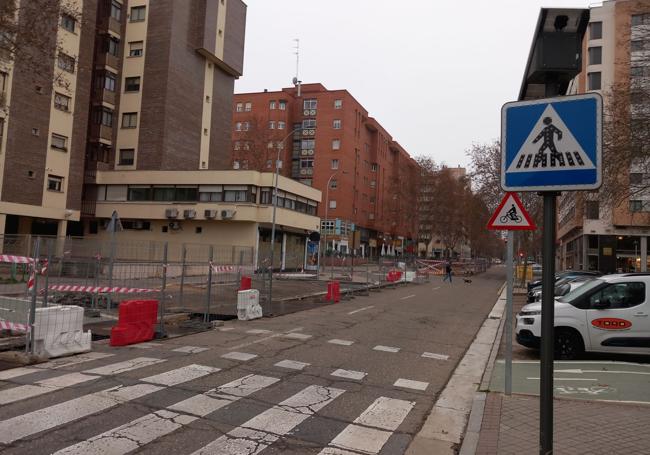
x: 616, y: 53
x: 142, y: 126
x: 327, y: 140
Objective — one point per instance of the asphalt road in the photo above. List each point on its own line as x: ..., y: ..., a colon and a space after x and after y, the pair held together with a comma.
x: 356, y: 377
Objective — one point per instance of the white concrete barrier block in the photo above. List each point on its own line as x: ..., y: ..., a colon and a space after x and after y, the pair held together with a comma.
x: 58, y: 331
x: 248, y: 305
x: 409, y: 276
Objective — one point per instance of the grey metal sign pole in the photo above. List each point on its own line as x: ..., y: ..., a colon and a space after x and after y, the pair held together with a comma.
x: 509, y: 285
x: 548, y: 316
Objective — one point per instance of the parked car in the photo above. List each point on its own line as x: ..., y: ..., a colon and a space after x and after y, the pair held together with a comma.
x: 608, y: 314
x: 562, y: 286
x: 558, y: 276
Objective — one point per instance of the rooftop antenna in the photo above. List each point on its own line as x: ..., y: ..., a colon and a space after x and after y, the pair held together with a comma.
x: 297, y: 81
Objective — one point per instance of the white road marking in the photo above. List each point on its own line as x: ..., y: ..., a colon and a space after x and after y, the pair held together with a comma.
x: 409, y: 384
x: 408, y: 297
x: 567, y: 379
x: 349, y: 374
x: 361, y: 309
x: 259, y: 340
x: 371, y: 430
x: 42, y: 387
x: 239, y: 356
x: 297, y: 329
x: 341, y: 342
x: 180, y: 375
x: 190, y: 349
x: 60, y: 414
x: 226, y: 329
x: 127, y: 365
x: 297, y: 336
x: 139, y: 432
x: 436, y: 288
x: 385, y: 348
x: 578, y: 371
x: 264, y: 429
x: 431, y: 355
x: 291, y: 364
x: 146, y: 345
x: 16, y: 372
x: 258, y: 331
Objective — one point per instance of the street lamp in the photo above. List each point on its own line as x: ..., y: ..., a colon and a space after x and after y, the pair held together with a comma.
x: 280, y: 146
x: 327, y: 207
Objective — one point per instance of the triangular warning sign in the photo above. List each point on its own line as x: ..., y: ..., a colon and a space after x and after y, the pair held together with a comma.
x: 550, y: 146
x: 511, y: 215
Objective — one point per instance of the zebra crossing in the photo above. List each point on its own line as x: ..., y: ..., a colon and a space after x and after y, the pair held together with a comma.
x: 297, y: 402
x: 544, y: 160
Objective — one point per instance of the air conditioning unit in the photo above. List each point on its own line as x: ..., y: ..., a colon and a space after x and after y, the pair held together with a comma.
x: 305, y: 112
x: 189, y: 213
x: 174, y: 225
x: 304, y: 152
x: 210, y: 214
x: 305, y: 132
x: 310, y: 171
x: 171, y: 213
x: 303, y: 171
x: 312, y: 132
x: 310, y: 151
x: 312, y: 112
x: 227, y: 214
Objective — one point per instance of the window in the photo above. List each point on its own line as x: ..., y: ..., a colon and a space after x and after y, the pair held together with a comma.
x: 334, y: 184
x: 636, y: 178
x: 640, y: 19
x: 338, y: 104
x: 637, y: 46
x: 54, y: 183
x: 68, y: 22
x: 130, y: 120
x: 246, y: 126
x: 636, y: 206
x: 282, y: 105
x: 596, y: 30
x: 116, y: 11
x: 336, y: 124
x: 238, y: 126
x: 239, y: 107
x: 373, y: 167
x: 332, y: 204
x: 59, y: 142
x: 271, y: 105
x: 336, y: 144
x: 310, y: 104
x: 309, y: 123
x: 113, y: 46
x: 593, y: 80
x: 4, y: 78
x: 61, y: 102
x: 127, y: 157
x: 235, y: 164
x: 248, y: 107
x: 132, y: 84
x: 237, y: 145
x: 109, y: 81
x: 619, y: 295
x: 306, y: 163
x: 595, y: 55
x: 335, y: 164
x: 281, y: 125
x: 136, y: 48
x: 234, y: 193
x: 138, y: 13
x: 308, y: 144
x: 592, y: 210
x: 211, y: 193
x: 271, y: 125
x: 104, y: 116
x: 139, y: 193
x: 66, y: 62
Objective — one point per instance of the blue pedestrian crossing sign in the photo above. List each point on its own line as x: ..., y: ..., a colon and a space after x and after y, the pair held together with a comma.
x: 552, y: 144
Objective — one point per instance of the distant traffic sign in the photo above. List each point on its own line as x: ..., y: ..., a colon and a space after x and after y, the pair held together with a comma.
x: 511, y: 216
x: 552, y: 144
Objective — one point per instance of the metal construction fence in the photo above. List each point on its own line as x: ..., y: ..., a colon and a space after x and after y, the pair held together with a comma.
x: 193, y: 283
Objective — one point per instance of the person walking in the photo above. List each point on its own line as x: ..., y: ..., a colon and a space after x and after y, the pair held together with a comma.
x: 447, y: 272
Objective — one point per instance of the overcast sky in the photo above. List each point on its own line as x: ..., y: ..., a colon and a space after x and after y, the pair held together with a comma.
x: 434, y: 73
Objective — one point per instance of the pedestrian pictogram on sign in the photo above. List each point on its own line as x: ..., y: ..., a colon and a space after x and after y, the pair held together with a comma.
x: 511, y: 215
x: 552, y: 144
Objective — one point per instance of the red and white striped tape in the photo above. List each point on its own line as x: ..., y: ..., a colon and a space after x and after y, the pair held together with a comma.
x: 102, y: 289
x: 16, y: 259
x: 224, y: 268
x: 6, y: 325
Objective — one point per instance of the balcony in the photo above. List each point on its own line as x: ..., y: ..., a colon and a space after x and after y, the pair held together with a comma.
x: 114, y: 25
x: 104, y: 96
x: 107, y: 59
x: 101, y: 132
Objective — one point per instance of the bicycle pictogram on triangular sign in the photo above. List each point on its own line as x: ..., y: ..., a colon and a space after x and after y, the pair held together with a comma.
x: 511, y: 215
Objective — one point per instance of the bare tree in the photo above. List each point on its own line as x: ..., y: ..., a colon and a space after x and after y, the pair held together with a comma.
x: 255, y: 147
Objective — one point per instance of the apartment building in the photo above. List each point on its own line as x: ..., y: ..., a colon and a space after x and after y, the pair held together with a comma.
x: 326, y: 139
x: 616, y: 56
x: 141, y: 126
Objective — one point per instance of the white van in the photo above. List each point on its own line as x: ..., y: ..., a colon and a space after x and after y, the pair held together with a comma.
x: 608, y: 314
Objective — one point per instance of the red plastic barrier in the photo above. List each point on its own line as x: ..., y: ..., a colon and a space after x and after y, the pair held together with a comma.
x: 136, y: 322
x: 393, y: 276
x: 245, y: 283
x: 333, y: 292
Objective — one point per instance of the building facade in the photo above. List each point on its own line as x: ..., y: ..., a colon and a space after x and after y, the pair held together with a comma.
x: 616, y: 56
x: 138, y: 120
x: 326, y: 139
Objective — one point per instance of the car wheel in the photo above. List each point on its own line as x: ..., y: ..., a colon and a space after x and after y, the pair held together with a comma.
x: 568, y: 344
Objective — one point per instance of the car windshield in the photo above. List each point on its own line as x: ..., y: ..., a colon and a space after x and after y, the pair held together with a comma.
x: 581, y: 290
